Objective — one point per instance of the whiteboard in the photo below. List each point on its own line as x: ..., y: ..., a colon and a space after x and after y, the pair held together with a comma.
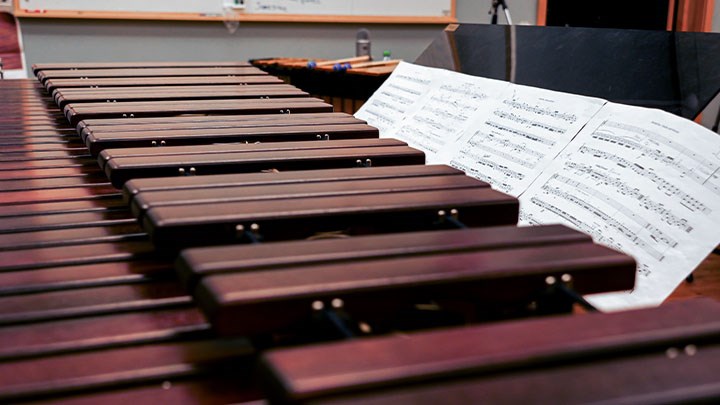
x: 360, y: 8
x: 419, y: 8
x: 406, y: 8
x: 144, y: 6
x: 321, y: 7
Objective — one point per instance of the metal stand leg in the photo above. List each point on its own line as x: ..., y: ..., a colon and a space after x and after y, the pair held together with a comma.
x: 561, y: 293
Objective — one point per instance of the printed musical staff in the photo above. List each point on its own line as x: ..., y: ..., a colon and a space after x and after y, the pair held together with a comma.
x: 437, y: 116
x: 533, y: 126
x: 638, y: 180
x: 393, y: 100
x: 626, y: 180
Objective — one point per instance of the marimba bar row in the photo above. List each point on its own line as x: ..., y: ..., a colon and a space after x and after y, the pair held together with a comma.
x: 303, y: 237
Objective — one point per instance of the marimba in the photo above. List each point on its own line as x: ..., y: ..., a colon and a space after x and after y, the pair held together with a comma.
x: 295, y: 223
x: 631, y: 357
x: 346, y: 89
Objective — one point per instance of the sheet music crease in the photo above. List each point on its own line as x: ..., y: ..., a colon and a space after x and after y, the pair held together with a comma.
x: 639, y: 180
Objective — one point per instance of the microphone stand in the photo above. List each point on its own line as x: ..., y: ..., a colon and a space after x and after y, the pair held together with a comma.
x: 494, y: 11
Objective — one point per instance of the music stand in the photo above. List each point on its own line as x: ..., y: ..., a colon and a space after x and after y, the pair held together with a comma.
x: 494, y: 11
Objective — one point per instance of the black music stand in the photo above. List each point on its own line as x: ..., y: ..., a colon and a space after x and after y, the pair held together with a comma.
x: 677, y: 72
x: 494, y: 11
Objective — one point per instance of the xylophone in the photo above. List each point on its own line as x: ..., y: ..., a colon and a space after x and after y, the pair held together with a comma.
x: 345, y: 83
x: 156, y: 246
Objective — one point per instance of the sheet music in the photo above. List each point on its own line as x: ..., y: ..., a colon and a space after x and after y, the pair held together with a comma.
x: 450, y: 102
x: 644, y: 182
x: 519, y: 135
x: 397, y: 96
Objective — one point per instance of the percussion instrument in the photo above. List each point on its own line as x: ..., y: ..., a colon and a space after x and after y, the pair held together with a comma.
x: 287, y: 223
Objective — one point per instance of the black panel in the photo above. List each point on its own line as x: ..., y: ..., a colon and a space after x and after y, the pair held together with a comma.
x: 676, y: 72
x: 638, y: 14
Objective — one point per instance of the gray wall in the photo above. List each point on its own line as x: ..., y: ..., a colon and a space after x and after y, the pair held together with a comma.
x: 57, y: 40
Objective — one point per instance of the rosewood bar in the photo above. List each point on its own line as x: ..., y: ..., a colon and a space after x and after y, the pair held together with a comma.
x: 294, y: 218
x: 134, y: 65
x: 190, y: 183
x: 96, y: 142
x: 116, y: 94
x: 147, y: 72
x: 82, y: 111
x: 659, y: 355
x: 196, y: 263
x: 213, y: 121
x: 370, y: 291
x: 53, y: 84
x: 122, y: 165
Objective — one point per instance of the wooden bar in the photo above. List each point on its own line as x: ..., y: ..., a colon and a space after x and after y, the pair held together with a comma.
x: 116, y: 94
x: 154, y: 199
x: 52, y: 84
x: 147, y: 72
x: 71, y: 236
x: 63, y: 207
x: 100, y: 332
x: 133, y: 65
x: 196, y: 263
x: 82, y: 111
x: 480, y: 360
x: 77, y: 255
x: 122, y: 165
x: 97, y: 142
x: 135, y: 186
x: 172, y: 124
x: 277, y: 299
x: 42, y: 196
x: 215, y: 121
x: 31, y: 139
x: 109, y: 154
x: 283, y: 219
x: 65, y: 221
x: 38, y: 279
x: 113, y: 368
x: 74, y: 303
x: 55, y: 183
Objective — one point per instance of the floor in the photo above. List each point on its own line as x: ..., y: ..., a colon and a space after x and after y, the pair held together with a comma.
x: 706, y: 281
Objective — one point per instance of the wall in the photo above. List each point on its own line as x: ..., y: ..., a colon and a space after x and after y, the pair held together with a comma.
x: 55, y: 40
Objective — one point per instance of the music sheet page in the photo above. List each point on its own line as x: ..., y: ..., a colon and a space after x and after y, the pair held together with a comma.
x: 519, y: 134
x: 444, y: 110
x: 644, y: 182
x: 397, y: 96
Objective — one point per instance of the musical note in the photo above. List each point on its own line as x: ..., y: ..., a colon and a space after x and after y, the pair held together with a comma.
x: 657, y: 234
x: 627, y: 182
x: 435, y: 119
x: 669, y: 189
x: 670, y: 161
x: 643, y: 200
x: 571, y: 118
x: 523, y: 132
x: 638, y: 180
x: 524, y: 121
x: 397, y: 97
